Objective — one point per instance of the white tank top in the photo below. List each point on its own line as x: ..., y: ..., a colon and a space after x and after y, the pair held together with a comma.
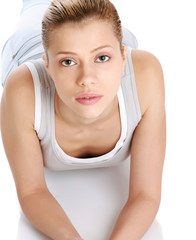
x: 54, y: 157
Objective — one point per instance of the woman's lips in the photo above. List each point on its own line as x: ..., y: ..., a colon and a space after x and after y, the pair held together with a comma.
x: 88, y: 98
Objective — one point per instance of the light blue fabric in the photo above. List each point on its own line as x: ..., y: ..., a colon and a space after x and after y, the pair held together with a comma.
x: 29, y: 3
x: 26, y: 43
x: 22, y: 46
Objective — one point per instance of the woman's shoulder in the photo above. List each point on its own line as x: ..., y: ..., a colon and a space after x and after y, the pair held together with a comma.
x: 19, y: 79
x: 18, y: 94
x: 149, y: 78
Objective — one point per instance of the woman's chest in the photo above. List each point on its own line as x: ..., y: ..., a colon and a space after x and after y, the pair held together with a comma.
x: 89, y: 141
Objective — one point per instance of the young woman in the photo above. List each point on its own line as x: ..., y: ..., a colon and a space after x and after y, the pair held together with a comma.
x: 92, y: 110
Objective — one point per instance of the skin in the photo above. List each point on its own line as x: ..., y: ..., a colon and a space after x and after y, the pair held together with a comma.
x: 95, y: 122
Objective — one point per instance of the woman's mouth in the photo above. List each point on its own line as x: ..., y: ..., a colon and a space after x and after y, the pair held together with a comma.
x: 88, y: 98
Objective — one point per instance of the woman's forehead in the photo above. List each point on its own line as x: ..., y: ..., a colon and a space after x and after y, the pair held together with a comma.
x: 89, y: 35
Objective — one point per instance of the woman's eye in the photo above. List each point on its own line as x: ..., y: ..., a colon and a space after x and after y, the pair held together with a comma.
x: 103, y: 58
x: 67, y: 63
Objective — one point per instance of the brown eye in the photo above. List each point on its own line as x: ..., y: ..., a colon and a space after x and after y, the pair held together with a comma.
x: 67, y: 63
x: 103, y: 58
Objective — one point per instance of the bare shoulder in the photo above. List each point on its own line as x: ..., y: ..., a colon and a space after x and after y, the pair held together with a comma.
x: 149, y: 79
x: 18, y: 94
x: 20, y: 77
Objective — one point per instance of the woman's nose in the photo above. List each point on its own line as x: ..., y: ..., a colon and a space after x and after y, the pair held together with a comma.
x: 87, y: 76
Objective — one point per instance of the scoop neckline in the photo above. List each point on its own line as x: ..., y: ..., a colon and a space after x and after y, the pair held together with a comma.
x: 65, y: 158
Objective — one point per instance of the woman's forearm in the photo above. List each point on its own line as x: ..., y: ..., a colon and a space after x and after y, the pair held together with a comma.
x: 135, y: 219
x: 45, y: 213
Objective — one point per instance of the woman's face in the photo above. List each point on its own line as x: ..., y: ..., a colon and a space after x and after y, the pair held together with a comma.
x: 85, y: 63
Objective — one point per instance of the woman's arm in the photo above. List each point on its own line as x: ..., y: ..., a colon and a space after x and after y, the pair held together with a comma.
x: 25, y: 158
x: 147, y: 152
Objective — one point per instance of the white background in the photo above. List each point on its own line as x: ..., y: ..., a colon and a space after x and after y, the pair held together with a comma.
x: 168, y: 30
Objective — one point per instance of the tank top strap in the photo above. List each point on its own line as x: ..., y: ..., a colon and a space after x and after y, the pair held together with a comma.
x: 44, y: 96
x: 129, y: 89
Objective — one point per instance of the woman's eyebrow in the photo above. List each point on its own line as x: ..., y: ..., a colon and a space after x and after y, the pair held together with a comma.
x: 98, y: 48
x: 92, y: 51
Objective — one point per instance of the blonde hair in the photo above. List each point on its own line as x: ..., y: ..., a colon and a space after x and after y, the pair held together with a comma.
x: 63, y: 11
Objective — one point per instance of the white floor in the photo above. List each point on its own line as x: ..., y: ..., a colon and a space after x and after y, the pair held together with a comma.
x: 167, y: 29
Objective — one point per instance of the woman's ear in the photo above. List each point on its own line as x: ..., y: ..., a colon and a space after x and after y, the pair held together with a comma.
x: 46, y: 63
x: 124, y: 56
x: 124, y: 52
x: 45, y: 59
